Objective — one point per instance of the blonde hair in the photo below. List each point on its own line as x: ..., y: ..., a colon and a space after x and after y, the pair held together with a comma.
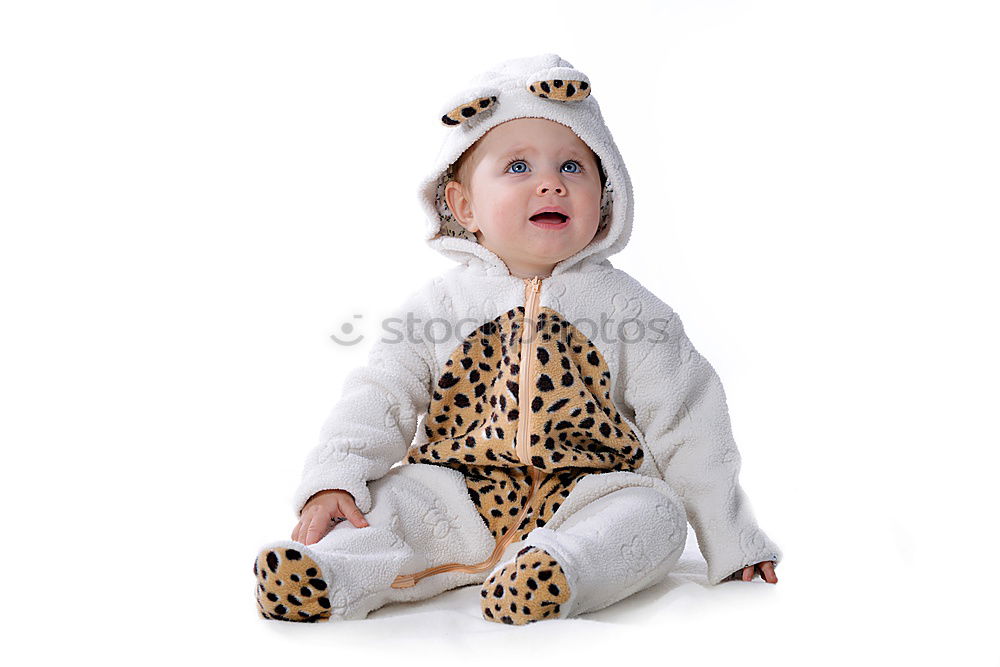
x: 457, y: 170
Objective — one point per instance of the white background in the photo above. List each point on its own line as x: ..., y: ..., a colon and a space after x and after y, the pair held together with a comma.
x: 195, y: 195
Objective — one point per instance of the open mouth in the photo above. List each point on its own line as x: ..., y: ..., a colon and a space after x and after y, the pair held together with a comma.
x: 549, y: 219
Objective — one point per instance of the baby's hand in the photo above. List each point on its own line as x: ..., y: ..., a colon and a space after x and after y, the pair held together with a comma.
x: 317, y: 516
x: 766, y: 572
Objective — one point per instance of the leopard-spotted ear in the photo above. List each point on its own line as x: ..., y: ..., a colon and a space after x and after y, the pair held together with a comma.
x: 561, y: 84
x: 464, y: 112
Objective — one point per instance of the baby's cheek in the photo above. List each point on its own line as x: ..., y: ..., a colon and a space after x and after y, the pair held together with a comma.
x: 507, y: 215
x: 588, y: 228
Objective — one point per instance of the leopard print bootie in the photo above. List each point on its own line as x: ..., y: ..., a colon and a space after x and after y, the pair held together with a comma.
x: 290, y: 586
x: 530, y: 588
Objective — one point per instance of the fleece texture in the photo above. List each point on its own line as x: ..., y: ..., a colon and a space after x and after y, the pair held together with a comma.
x: 420, y: 516
x: 614, y: 389
x: 617, y: 533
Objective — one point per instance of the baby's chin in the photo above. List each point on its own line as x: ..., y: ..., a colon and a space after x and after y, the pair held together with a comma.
x: 558, y: 249
x: 536, y: 245
x: 538, y: 254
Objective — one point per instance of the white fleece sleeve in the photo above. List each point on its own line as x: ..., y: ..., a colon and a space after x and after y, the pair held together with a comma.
x: 372, y: 425
x: 680, y: 407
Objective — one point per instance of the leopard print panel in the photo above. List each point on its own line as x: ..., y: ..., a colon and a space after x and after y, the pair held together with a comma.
x: 290, y: 587
x: 574, y: 429
x: 528, y: 589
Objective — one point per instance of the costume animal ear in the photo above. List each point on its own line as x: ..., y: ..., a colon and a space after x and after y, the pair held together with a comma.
x: 562, y: 84
x: 473, y: 104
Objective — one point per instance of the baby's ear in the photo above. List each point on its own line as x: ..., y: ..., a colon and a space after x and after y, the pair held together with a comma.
x: 459, y: 204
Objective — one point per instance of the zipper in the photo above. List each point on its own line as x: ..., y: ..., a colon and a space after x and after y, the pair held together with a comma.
x: 532, y: 288
x: 521, y: 443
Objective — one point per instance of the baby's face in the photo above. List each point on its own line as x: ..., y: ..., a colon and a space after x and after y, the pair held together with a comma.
x: 516, y: 169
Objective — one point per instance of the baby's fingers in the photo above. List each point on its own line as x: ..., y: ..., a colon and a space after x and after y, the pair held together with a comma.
x: 299, y: 532
x: 318, y: 525
x: 352, y: 513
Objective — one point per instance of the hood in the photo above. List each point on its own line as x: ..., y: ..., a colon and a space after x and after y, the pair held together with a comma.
x: 544, y: 86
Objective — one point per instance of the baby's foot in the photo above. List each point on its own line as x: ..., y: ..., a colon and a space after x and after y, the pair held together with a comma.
x: 530, y: 588
x: 290, y: 586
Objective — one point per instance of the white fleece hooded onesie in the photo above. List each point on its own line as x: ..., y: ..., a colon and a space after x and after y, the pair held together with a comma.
x: 571, y: 414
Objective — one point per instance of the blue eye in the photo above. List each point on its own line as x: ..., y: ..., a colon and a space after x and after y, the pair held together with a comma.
x: 519, y: 166
x: 516, y: 163
x: 573, y: 162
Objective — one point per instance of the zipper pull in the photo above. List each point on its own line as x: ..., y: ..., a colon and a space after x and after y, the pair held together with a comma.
x: 536, y: 283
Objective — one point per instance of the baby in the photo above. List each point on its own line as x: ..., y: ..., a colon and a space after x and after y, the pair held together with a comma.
x: 566, y: 429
